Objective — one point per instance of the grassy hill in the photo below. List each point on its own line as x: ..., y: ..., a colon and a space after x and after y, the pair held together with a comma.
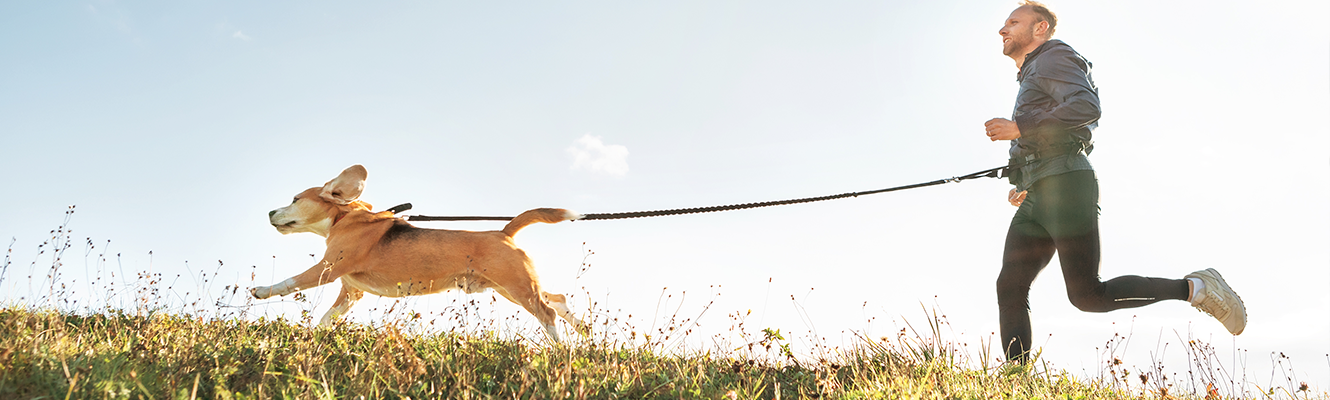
x: 50, y: 354
x: 149, y: 348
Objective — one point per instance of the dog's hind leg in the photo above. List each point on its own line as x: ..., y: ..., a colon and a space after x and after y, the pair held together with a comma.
x: 525, y: 294
x: 345, y: 300
x: 560, y: 304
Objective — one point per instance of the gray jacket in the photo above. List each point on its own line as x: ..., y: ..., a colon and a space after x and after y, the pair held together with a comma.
x: 1057, y: 107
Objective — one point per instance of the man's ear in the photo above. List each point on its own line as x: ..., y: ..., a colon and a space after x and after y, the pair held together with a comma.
x: 1041, y: 29
x: 346, y: 187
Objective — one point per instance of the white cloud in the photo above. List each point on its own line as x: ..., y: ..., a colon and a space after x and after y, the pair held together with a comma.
x: 241, y: 35
x: 592, y: 155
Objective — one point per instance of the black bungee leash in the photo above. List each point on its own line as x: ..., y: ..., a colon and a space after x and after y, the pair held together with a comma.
x: 999, y: 172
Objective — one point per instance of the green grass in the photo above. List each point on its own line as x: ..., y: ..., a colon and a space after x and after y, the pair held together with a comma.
x: 113, y: 355
x: 135, y: 343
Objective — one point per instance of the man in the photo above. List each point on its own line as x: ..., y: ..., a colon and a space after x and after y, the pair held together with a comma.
x: 1057, y: 194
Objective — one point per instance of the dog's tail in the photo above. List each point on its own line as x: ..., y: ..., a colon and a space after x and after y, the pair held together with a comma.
x: 546, y: 215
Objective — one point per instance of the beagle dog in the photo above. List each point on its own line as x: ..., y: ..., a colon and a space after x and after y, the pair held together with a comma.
x: 377, y: 252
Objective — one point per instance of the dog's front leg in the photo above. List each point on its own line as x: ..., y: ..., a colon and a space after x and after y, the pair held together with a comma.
x: 281, y: 289
x: 345, y: 301
x: 317, y: 275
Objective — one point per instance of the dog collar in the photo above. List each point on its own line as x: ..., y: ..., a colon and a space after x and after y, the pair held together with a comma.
x: 338, y: 218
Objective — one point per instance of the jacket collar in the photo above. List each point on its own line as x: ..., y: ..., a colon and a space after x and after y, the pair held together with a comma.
x: 1029, y: 58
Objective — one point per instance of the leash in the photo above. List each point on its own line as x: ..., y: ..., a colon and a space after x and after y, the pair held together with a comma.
x: 988, y: 173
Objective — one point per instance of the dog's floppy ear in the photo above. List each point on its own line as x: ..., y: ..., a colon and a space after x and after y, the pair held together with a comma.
x: 346, y: 187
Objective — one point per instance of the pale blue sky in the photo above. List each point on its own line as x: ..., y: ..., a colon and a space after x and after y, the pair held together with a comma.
x: 176, y: 126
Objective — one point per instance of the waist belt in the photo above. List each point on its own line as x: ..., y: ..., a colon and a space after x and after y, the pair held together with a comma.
x: 1013, y: 171
x: 1050, y: 152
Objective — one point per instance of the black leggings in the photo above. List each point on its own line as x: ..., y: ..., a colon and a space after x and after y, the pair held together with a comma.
x: 1061, y: 214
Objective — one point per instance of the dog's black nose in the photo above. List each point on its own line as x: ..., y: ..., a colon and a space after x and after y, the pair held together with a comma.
x: 271, y: 213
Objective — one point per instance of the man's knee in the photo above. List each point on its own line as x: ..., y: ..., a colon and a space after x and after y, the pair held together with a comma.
x: 1012, y: 291
x: 1088, y: 302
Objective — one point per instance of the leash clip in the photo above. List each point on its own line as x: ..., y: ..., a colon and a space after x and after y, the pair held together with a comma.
x: 397, y: 209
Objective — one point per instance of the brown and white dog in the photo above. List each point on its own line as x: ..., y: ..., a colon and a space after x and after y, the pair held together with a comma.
x: 377, y: 252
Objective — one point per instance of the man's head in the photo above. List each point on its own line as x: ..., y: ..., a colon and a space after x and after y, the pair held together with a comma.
x: 1028, y: 26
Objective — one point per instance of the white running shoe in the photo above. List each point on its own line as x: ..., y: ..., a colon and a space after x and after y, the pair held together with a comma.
x: 1219, y: 300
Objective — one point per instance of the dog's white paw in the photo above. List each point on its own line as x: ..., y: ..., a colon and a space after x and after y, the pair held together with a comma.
x: 260, y: 292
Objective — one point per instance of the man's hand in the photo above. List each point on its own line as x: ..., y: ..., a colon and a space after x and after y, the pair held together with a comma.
x: 1002, y: 129
x: 1016, y: 198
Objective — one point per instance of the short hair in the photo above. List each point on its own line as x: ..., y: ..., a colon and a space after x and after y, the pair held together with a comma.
x: 1043, y: 14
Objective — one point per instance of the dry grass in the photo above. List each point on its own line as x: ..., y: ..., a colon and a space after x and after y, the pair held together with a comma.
x: 160, y: 355
x: 143, y: 339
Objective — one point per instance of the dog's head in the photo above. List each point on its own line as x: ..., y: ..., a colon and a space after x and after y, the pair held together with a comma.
x: 316, y: 209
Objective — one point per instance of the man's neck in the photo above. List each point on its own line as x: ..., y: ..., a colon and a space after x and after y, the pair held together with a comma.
x: 1019, y: 56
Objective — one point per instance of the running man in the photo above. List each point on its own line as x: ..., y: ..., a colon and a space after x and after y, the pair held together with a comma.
x: 1057, y: 194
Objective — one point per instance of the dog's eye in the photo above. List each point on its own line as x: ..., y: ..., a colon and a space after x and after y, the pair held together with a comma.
x: 294, y: 200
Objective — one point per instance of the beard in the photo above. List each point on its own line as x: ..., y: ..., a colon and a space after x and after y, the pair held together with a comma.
x: 1019, y: 40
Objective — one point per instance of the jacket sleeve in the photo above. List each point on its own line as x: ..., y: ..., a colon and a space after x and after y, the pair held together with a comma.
x: 1065, y: 77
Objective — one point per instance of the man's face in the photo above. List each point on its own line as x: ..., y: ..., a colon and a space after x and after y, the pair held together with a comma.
x: 1018, y: 32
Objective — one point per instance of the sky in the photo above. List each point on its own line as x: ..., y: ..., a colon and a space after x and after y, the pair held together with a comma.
x: 174, y: 127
